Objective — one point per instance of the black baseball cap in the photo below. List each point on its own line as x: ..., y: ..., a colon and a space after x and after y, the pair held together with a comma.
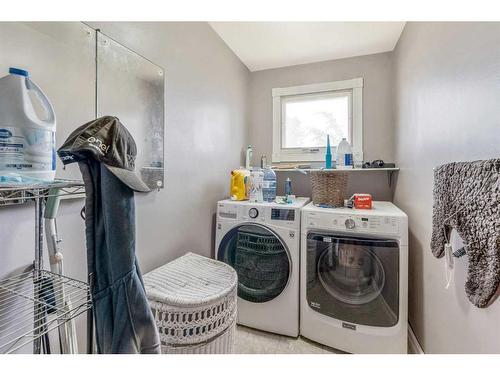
x: 109, y: 142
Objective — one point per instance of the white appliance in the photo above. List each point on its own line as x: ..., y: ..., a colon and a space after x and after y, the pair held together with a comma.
x: 354, y: 278
x: 261, y: 241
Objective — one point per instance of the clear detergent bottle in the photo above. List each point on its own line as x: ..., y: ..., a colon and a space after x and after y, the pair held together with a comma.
x: 27, y: 142
x: 344, y: 155
x: 269, y: 185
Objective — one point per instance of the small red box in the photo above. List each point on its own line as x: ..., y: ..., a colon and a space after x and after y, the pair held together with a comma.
x: 363, y: 201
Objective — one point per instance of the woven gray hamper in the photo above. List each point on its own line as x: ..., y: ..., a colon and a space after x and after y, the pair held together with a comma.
x: 329, y: 187
x: 193, y: 299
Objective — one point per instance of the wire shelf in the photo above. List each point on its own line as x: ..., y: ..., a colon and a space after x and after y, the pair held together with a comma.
x: 35, y: 303
x: 18, y: 194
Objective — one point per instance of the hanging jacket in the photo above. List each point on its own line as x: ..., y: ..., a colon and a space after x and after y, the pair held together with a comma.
x: 124, y: 322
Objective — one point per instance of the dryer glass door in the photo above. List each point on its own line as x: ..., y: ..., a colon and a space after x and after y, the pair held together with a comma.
x: 261, y: 260
x: 355, y: 280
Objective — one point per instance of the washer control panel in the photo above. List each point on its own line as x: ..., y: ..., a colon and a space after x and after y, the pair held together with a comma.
x: 353, y: 223
x: 273, y: 215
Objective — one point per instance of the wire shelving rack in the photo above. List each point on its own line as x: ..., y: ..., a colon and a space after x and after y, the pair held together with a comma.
x: 30, y: 306
x: 17, y: 194
x: 31, y: 302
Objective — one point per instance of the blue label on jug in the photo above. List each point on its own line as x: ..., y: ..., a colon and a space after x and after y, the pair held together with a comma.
x: 54, y: 158
x: 347, y: 159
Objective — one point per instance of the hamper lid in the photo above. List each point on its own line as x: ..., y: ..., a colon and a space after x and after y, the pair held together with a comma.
x: 191, y: 280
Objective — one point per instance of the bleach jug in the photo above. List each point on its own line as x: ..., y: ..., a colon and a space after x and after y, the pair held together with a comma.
x: 27, y: 142
x: 344, y: 155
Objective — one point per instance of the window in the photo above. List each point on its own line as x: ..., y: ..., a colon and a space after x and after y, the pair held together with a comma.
x: 304, y: 115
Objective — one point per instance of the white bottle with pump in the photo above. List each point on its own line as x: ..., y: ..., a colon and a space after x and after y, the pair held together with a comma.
x: 27, y: 142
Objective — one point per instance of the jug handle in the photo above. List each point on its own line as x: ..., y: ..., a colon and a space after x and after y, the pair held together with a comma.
x: 30, y: 85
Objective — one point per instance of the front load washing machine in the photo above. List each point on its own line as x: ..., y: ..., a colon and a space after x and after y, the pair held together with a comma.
x: 354, y: 278
x: 261, y: 241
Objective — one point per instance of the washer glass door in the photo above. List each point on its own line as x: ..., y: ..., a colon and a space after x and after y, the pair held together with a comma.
x: 353, y: 279
x: 260, y: 259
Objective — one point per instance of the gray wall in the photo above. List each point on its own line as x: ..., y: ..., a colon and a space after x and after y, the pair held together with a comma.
x: 205, y: 131
x: 378, y: 142
x: 447, y: 90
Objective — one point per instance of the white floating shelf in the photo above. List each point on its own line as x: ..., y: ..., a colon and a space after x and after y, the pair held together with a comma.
x: 337, y: 170
x: 389, y: 171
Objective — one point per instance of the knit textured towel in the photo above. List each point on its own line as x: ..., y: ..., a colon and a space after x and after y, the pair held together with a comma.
x: 467, y: 199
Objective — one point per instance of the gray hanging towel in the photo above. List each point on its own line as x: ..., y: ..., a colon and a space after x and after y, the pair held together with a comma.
x: 467, y: 199
x: 106, y: 152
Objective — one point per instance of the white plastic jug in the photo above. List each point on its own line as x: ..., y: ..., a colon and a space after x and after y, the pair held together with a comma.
x: 256, y: 182
x: 344, y: 155
x: 27, y: 142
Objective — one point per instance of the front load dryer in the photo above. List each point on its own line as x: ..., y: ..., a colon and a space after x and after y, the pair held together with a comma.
x: 354, y: 278
x: 261, y: 241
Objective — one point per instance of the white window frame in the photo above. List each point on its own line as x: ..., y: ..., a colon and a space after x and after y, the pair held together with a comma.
x: 354, y: 86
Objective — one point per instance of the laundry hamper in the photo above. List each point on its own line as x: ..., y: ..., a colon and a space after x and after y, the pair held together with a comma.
x: 193, y: 299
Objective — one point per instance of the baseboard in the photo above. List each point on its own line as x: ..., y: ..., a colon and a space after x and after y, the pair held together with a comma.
x: 413, y: 344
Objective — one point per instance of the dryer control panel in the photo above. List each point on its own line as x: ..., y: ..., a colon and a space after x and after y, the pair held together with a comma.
x: 353, y: 223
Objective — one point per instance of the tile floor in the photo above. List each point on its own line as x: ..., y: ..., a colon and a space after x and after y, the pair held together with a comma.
x: 251, y: 341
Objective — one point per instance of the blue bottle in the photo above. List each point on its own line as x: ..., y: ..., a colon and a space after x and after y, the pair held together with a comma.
x: 269, y: 186
x: 328, y: 156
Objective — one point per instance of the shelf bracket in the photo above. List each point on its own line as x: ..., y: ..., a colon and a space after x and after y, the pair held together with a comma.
x: 389, y: 176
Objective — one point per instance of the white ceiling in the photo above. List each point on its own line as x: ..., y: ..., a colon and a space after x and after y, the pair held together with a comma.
x: 266, y: 45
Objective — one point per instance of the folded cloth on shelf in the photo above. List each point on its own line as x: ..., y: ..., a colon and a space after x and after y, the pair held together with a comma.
x: 467, y: 199
x: 123, y: 319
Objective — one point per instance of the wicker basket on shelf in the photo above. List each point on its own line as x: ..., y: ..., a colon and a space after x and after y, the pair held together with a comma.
x: 329, y: 187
